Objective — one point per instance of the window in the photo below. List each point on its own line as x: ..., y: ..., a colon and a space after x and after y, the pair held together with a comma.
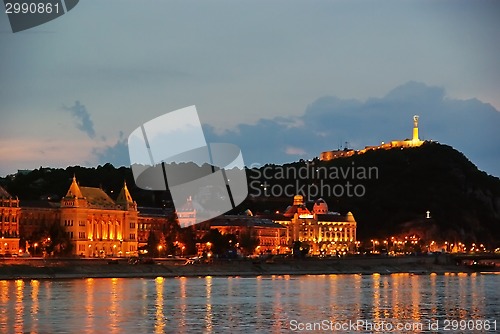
x: 132, y: 225
x: 132, y: 236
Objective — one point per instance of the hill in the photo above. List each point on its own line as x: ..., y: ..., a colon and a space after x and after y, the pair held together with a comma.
x: 389, y: 191
x: 463, y: 202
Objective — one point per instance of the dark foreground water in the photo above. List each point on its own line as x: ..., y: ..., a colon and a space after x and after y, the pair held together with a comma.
x: 279, y: 304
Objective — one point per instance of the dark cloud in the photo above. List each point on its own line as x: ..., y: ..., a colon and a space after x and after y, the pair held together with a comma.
x: 116, y: 154
x: 82, y: 117
x: 468, y: 125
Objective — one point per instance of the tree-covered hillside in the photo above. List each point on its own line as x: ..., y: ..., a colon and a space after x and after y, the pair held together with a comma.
x: 388, y: 191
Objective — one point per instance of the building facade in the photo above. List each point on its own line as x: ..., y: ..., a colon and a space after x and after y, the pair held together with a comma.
x: 9, y: 223
x: 327, y: 233
x: 272, y: 237
x: 96, y: 225
x: 151, y: 220
x: 187, y: 213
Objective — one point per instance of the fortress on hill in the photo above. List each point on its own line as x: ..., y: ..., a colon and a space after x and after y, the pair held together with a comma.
x: 414, y: 142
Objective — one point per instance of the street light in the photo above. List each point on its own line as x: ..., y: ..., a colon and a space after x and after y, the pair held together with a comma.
x: 36, y: 244
x: 159, y: 250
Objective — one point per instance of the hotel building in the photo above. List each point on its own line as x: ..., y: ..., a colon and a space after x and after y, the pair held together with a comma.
x: 325, y: 232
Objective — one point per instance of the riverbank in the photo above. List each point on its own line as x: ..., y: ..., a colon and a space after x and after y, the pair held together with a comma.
x: 105, y: 268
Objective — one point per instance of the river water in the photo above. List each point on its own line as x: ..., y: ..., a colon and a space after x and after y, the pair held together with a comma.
x: 276, y: 304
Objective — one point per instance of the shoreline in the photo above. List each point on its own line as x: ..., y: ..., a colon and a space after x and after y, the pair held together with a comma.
x: 41, y: 269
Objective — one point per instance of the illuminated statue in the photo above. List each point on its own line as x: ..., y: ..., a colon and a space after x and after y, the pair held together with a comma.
x: 415, y: 129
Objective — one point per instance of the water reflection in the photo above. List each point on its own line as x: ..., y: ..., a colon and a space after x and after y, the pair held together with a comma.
x: 208, y: 294
x: 376, y: 296
x: 239, y: 304
x: 415, y: 297
x: 113, y: 306
x: 35, y: 287
x: 4, y: 298
x: 19, y: 321
x: 89, y: 303
x: 183, y: 304
x: 160, y: 316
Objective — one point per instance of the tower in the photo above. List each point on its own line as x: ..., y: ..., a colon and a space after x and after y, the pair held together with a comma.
x: 415, y: 129
x: 74, y: 196
x: 298, y: 200
x: 125, y: 199
x: 187, y: 213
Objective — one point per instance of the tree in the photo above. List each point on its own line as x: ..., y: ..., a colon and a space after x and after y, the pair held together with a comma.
x: 152, y: 243
x: 300, y: 249
x: 219, y: 242
x: 171, y: 233
x: 60, y: 242
x: 162, y: 246
x: 248, y: 241
x: 188, y: 238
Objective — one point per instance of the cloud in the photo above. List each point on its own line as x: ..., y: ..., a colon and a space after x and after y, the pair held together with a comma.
x: 468, y: 125
x: 117, y: 154
x: 82, y: 117
x: 290, y: 150
x: 329, y: 122
x: 29, y: 153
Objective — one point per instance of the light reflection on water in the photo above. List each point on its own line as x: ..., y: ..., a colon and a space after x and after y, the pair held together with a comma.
x: 240, y: 304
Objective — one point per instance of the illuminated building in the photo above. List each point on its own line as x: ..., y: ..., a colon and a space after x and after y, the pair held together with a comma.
x: 37, y: 216
x: 9, y: 227
x: 325, y: 232
x: 152, y: 220
x: 272, y: 237
x: 98, y: 226
x: 413, y: 142
x: 187, y: 214
x: 94, y: 223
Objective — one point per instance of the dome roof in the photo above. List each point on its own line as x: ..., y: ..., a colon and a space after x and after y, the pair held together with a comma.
x: 320, y: 206
x: 298, y: 200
